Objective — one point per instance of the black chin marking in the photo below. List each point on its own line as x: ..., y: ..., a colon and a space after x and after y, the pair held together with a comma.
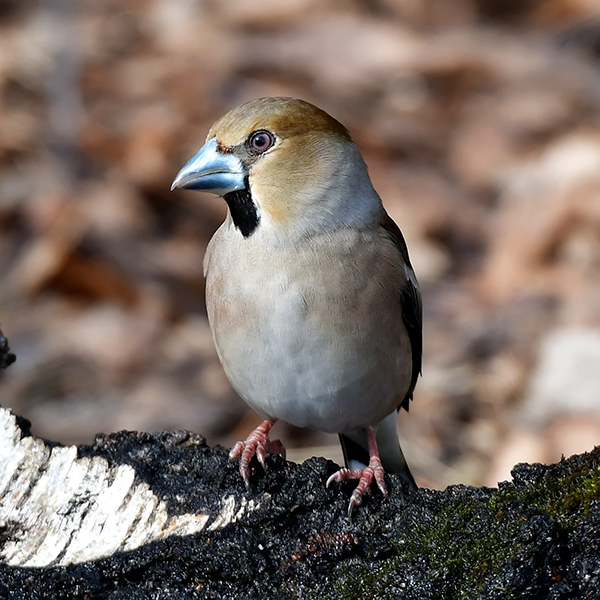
x: 243, y: 211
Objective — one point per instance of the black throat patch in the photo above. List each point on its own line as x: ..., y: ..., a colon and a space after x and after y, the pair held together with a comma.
x: 243, y: 211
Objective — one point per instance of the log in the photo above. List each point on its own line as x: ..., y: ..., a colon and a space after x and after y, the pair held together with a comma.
x: 163, y: 515
x: 7, y: 358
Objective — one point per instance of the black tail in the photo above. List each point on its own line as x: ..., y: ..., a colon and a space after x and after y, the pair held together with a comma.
x: 356, y: 454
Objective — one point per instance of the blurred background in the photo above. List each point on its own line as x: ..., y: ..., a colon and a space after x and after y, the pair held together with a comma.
x: 480, y: 123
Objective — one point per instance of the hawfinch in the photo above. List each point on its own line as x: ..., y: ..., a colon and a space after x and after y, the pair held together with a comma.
x: 313, y: 303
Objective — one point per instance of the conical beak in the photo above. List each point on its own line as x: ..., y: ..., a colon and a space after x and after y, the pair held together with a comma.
x: 212, y: 171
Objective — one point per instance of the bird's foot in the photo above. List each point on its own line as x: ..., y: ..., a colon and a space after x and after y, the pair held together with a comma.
x: 374, y: 470
x: 258, y: 443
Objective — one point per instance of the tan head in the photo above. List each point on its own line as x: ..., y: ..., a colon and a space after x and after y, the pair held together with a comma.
x: 284, y: 164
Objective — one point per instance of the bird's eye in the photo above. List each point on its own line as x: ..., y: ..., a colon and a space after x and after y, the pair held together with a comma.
x: 261, y: 141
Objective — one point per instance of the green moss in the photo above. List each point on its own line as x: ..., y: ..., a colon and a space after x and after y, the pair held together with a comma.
x: 565, y: 498
x: 463, y: 543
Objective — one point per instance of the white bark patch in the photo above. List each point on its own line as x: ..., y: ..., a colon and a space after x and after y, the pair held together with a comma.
x: 59, y: 510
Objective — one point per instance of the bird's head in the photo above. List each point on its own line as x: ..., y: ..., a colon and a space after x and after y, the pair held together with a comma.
x: 284, y: 165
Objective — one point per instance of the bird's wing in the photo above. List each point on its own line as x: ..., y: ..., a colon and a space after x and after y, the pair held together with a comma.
x: 412, y: 306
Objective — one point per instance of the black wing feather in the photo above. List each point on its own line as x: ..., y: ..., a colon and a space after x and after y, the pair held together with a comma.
x: 412, y: 309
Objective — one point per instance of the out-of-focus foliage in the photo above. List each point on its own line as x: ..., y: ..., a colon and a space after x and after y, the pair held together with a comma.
x: 480, y: 122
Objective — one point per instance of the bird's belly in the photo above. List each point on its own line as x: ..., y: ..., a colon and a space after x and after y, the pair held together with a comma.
x: 301, y: 380
x: 302, y: 358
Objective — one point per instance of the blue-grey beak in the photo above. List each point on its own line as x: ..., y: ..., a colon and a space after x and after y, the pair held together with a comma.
x: 211, y: 171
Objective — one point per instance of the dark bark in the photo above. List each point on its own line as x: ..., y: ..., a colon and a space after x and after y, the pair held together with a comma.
x: 7, y: 358
x: 536, y: 537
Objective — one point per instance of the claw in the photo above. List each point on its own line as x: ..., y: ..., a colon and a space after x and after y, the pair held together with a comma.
x: 374, y: 470
x: 261, y: 455
x: 259, y: 444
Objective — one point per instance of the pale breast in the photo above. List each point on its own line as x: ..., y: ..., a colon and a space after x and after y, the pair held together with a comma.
x: 313, y: 334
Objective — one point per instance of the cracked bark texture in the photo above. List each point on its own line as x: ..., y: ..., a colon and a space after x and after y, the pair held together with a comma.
x: 163, y: 515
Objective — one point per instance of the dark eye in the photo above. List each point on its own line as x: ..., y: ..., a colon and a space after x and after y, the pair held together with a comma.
x: 261, y: 141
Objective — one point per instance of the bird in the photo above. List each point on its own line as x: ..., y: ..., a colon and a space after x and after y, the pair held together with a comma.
x: 314, y: 306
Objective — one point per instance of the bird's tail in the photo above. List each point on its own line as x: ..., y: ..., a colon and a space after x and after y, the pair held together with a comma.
x: 356, y: 454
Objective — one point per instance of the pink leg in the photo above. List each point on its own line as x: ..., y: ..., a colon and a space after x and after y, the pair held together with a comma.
x: 366, y: 475
x: 258, y: 443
